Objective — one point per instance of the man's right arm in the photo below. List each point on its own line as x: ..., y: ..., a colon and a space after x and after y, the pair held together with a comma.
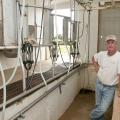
x: 96, y: 65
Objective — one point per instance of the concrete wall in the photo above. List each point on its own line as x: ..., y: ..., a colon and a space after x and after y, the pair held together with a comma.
x: 88, y: 77
x: 52, y: 106
x: 7, y: 62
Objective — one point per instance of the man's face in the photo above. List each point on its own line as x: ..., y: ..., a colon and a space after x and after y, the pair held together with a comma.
x: 111, y: 45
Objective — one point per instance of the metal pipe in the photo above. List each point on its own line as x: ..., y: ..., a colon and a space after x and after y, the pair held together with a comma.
x: 36, y: 6
x: 60, y: 15
x: 4, y: 92
x: 89, y: 11
x: 8, y: 47
x: 2, y: 14
x: 35, y: 23
x: 23, y: 73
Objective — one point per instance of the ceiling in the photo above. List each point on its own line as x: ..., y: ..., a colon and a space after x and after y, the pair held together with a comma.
x: 61, y: 4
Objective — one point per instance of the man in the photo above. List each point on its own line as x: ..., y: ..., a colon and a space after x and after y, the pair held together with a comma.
x: 107, y: 65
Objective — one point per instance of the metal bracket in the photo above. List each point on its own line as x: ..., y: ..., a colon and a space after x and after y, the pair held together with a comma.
x: 60, y: 87
x: 22, y: 116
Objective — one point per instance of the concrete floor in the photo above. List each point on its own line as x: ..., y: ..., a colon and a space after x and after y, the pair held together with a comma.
x: 81, y: 107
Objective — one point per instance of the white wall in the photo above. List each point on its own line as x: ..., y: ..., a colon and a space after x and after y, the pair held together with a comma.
x: 52, y: 106
x: 93, y: 32
x: 0, y: 10
x: 7, y: 62
x: 9, y: 16
x: 88, y: 77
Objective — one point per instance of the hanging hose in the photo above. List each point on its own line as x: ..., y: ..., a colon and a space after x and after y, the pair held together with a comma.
x: 43, y: 78
x: 62, y: 57
x: 75, y: 42
x: 70, y: 35
x: 4, y: 93
x: 75, y: 51
x: 15, y: 69
x: 39, y: 51
x: 82, y: 33
x: 19, y: 46
x: 83, y: 16
x: 23, y: 73
x: 55, y: 42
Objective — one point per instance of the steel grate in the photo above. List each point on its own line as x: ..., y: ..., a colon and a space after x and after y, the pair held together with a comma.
x: 16, y: 88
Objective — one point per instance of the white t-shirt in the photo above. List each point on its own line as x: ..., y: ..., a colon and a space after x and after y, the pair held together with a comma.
x: 109, y: 67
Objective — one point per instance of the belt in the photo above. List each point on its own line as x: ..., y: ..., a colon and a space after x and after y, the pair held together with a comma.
x: 106, y: 85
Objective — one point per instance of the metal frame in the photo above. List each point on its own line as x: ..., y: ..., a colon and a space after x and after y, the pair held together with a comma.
x: 2, y: 21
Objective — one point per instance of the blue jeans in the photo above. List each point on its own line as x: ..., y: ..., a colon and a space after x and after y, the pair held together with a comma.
x: 104, y: 97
